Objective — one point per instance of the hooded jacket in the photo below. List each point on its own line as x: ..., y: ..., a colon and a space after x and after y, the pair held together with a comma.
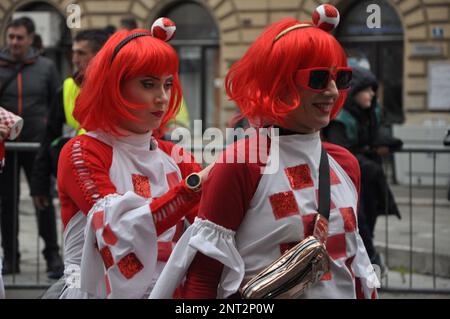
x: 30, y: 92
x: 356, y: 128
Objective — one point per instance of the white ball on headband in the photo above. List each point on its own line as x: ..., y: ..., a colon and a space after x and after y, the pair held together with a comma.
x: 326, y: 17
x: 164, y: 29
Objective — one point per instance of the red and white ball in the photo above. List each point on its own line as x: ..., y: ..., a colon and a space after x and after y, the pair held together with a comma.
x: 326, y: 17
x: 163, y: 29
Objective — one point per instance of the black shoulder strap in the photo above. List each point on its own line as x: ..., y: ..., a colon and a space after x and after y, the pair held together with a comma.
x: 324, y: 185
x: 8, y: 81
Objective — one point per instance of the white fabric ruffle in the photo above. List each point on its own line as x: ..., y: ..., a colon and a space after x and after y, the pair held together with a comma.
x: 211, y: 240
x: 131, y: 222
x: 364, y: 270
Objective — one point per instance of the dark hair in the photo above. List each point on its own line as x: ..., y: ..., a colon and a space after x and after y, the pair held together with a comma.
x: 110, y: 29
x: 22, y: 22
x: 95, y: 37
x: 128, y: 23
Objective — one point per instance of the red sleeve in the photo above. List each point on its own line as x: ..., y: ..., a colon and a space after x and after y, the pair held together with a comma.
x: 226, y: 197
x: 347, y: 161
x: 83, y: 175
x: 187, y: 165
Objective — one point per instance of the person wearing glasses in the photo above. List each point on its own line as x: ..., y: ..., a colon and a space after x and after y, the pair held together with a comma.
x: 122, y: 189
x: 294, y: 77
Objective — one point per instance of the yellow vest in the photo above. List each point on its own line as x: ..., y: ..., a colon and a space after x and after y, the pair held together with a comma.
x: 70, y: 93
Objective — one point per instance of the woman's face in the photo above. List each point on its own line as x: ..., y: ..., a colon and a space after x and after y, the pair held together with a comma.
x: 152, y: 91
x: 314, y: 112
x: 364, y: 98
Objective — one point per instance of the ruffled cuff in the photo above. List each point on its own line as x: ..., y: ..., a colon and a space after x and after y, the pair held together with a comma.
x: 365, y: 272
x: 211, y: 240
x: 120, y: 250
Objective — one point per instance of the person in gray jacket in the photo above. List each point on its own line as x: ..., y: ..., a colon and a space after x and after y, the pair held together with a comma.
x: 28, y: 82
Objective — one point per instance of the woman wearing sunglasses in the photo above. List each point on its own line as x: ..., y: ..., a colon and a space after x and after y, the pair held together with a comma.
x: 293, y: 77
x: 122, y: 190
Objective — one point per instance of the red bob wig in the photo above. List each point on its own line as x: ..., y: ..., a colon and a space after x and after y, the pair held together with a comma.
x: 260, y: 82
x: 100, y: 104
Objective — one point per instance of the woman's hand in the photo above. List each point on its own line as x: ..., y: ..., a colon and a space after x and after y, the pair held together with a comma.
x: 4, y: 132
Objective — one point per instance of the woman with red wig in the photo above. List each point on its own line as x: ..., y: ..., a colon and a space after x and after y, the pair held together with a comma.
x: 294, y: 77
x: 123, y: 190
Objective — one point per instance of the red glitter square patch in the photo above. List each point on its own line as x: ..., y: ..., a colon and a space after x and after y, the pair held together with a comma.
x: 97, y: 220
x: 141, y: 185
x: 109, y: 236
x: 299, y: 176
x: 107, y: 257
x: 349, y: 219
x: 337, y: 246
x: 130, y: 265
x: 284, y: 204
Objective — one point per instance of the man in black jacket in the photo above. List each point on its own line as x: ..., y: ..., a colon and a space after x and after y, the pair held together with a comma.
x: 28, y: 82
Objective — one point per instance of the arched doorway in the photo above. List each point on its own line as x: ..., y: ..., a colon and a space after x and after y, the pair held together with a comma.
x: 197, y: 44
x: 380, y: 48
x: 51, y: 27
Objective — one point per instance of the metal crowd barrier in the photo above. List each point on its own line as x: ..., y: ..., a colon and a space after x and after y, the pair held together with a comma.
x: 37, y: 284
x: 434, y: 153
x: 15, y: 148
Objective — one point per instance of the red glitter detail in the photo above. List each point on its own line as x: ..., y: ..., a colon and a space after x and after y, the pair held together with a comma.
x: 172, y: 179
x: 299, y: 176
x: 130, y: 265
x: 334, y: 179
x: 109, y: 236
x: 97, y: 220
x: 284, y: 204
x: 164, y: 250
x: 141, y: 185
x: 107, y: 257
x: 349, y: 219
x: 336, y: 246
x: 348, y: 263
x: 308, y: 224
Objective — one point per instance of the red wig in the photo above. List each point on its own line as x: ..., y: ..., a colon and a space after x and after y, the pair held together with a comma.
x: 260, y: 82
x: 100, y: 104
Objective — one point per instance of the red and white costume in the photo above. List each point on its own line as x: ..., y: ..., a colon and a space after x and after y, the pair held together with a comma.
x: 107, y: 186
x: 248, y: 219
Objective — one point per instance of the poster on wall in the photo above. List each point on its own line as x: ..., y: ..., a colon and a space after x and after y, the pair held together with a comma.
x: 439, y: 86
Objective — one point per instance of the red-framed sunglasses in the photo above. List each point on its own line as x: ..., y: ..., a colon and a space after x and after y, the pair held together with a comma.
x: 317, y: 79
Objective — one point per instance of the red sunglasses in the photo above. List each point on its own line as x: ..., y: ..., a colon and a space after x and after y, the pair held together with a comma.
x: 317, y: 79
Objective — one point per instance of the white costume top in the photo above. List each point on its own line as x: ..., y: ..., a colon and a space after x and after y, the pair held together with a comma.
x: 113, y: 180
x: 279, y: 214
